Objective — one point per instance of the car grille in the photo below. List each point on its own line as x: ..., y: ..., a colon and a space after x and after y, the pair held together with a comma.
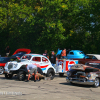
x: 10, y: 65
x: 78, y: 74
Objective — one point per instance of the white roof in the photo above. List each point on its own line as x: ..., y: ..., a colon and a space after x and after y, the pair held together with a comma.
x: 95, y: 55
x: 39, y: 55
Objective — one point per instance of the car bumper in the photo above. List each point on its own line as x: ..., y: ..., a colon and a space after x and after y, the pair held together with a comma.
x: 6, y: 71
x: 77, y: 81
x: 10, y: 71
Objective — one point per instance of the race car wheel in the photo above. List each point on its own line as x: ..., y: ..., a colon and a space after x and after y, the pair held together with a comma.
x: 61, y: 74
x: 1, y: 70
x: 21, y: 76
x: 8, y: 76
x: 96, y: 84
x: 51, y: 73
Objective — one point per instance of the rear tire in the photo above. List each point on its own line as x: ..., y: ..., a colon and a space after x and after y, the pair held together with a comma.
x: 51, y: 73
x: 8, y: 76
x: 96, y: 84
x: 21, y: 76
x: 61, y: 74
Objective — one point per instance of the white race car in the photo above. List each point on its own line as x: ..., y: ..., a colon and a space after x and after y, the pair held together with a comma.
x: 19, y: 67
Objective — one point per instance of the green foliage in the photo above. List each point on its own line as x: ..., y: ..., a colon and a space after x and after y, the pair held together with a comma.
x: 49, y: 24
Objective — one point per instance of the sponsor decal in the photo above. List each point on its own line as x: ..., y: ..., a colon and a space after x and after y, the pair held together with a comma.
x: 70, y: 64
x: 44, y: 67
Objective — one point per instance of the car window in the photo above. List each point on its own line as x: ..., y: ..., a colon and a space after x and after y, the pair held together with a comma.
x: 38, y: 59
x: 89, y: 57
x: 81, y: 53
x: 27, y: 57
x: 45, y: 60
x: 94, y: 57
x: 71, y: 53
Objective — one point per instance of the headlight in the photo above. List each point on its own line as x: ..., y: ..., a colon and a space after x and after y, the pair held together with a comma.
x: 15, y: 65
x: 89, y: 75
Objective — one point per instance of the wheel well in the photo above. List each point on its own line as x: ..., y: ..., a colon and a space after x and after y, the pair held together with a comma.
x: 23, y: 68
x: 98, y: 78
x: 50, y: 69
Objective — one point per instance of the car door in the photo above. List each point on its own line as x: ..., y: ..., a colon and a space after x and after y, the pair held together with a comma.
x: 44, y: 63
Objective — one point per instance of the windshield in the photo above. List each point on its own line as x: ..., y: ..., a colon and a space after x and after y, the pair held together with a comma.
x: 90, y: 57
x: 19, y: 54
x: 26, y: 57
x: 96, y: 65
x: 81, y: 52
x: 4, y: 59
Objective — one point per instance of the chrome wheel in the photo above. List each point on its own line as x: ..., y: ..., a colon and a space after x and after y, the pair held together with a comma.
x: 96, y: 84
x: 50, y: 74
x: 21, y: 76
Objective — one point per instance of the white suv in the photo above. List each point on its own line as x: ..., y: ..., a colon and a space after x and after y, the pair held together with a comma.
x: 19, y: 67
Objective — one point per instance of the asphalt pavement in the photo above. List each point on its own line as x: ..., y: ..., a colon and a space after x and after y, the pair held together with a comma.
x: 56, y: 89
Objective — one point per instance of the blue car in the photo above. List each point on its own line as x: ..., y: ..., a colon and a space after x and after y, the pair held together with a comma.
x: 75, y: 54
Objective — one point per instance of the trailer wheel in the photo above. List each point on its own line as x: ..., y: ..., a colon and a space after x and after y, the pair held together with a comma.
x: 8, y: 76
x: 61, y: 74
x: 51, y: 73
x: 21, y: 76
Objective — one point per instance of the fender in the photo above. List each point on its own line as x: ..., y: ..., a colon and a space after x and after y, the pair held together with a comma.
x: 23, y: 68
x: 50, y: 67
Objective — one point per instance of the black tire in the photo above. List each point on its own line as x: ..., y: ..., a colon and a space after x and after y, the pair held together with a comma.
x: 72, y: 83
x: 21, y: 76
x: 1, y: 70
x: 51, y: 73
x: 8, y: 76
x: 61, y: 74
x: 96, y: 84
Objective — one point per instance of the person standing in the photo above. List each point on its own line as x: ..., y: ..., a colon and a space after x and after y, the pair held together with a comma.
x: 63, y: 54
x: 53, y: 58
x: 46, y: 54
x: 7, y: 51
x: 59, y: 53
x: 32, y: 70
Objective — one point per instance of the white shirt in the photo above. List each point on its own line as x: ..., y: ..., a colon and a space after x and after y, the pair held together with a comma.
x: 31, y: 66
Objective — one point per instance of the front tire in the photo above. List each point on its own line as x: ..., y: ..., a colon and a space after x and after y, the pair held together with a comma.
x: 51, y: 73
x: 96, y: 84
x: 8, y: 76
x: 21, y: 76
x: 1, y: 70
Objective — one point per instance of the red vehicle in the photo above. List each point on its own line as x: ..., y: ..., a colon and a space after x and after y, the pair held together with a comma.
x: 17, y: 54
x: 89, y: 57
